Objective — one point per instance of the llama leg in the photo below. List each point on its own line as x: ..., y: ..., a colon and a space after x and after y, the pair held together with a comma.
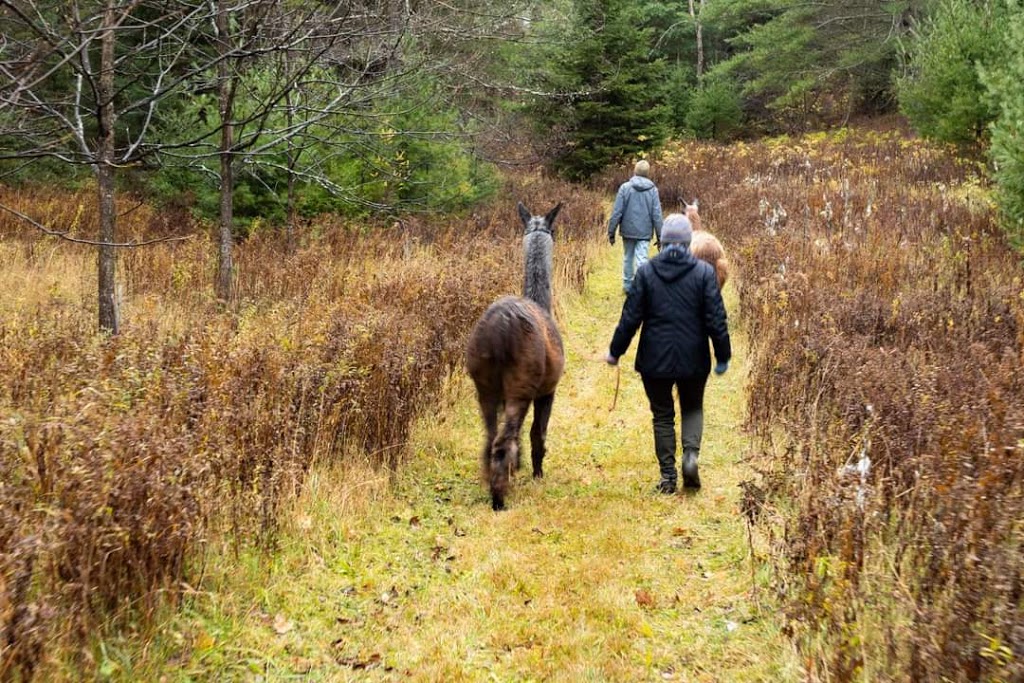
x: 505, y: 451
x: 539, y: 432
x: 489, y: 412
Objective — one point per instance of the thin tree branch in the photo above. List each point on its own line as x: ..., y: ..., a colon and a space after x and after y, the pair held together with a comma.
x: 95, y: 243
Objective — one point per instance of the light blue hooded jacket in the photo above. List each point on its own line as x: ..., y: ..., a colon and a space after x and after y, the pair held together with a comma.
x: 637, y: 210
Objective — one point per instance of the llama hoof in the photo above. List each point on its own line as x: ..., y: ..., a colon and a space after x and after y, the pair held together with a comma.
x: 497, y: 504
x: 537, y: 474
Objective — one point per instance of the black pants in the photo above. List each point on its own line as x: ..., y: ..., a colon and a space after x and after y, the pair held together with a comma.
x: 691, y: 407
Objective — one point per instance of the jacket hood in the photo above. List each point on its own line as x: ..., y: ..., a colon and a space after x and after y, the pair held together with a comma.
x: 672, y: 265
x: 641, y: 184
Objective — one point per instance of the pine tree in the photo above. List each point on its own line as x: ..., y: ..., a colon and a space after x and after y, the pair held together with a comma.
x: 618, y: 109
x: 941, y: 93
x: 802, y: 56
x: 1003, y: 80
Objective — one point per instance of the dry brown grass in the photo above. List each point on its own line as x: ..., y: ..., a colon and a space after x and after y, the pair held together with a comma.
x: 121, y: 458
x: 888, y: 317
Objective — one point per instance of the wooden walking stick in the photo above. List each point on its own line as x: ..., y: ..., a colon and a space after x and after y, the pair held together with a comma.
x: 618, y: 376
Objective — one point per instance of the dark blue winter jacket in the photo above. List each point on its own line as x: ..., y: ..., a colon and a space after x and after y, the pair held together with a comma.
x: 676, y: 298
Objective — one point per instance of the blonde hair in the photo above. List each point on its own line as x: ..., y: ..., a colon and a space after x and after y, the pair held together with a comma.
x: 642, y: 168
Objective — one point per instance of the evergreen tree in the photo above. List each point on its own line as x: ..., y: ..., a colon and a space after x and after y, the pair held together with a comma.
x: 805, y: 57
x: 618, y: 107
x: 941, y: 93
x: 715, y: 110
x: 1003, y: 79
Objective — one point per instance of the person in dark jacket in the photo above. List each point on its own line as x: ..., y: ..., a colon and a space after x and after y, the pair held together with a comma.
x: 676, y: 300
x: 637, y: 216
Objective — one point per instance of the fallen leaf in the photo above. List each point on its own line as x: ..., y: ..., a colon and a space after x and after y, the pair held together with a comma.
x: 731, y: 626
x: 282, y: 624
x: 644, y: 598
x: 204, y: 641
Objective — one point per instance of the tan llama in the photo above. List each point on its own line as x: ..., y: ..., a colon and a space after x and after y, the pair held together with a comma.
x: 706, y: 246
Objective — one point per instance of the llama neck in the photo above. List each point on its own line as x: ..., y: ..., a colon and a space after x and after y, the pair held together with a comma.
x: 537, y: 277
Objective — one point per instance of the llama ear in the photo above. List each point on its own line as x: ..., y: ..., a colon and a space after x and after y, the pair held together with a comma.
x: 696, y: 203
x: 524, y: 214
x: 551, y: 215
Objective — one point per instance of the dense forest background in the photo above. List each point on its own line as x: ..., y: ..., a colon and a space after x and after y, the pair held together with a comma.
x: 398, y: 106
x: 256, y: 114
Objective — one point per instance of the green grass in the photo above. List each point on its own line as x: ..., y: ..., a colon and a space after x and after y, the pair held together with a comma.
x: 588, y: 576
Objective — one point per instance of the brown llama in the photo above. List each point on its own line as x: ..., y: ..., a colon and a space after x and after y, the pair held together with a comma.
x: 515, y: 358
x: 706, y: 246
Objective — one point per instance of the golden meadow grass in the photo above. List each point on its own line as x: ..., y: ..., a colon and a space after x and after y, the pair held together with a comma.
x: 124, y: 458
x: 587, y: 576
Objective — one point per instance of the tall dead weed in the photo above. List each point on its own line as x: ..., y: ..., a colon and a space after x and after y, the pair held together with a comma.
x: 122, y: 459
x: 886, y: 313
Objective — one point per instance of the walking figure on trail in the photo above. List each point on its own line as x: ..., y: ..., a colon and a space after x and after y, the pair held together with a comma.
x: 676, y: 299
x: 637, y: 216
x: 515, y: 357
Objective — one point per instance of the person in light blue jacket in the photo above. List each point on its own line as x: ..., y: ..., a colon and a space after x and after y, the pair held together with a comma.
x: 637, y: 216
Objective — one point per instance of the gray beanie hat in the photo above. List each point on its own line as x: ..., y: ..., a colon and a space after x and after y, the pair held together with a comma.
x: 642, y: 168
x: 676, y: 229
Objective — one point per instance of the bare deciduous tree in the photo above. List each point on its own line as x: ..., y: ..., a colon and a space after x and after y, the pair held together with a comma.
x: 87, y: 83
x: 80, y: 84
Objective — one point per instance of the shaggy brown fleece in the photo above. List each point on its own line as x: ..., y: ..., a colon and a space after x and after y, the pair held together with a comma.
x: 706, y: 246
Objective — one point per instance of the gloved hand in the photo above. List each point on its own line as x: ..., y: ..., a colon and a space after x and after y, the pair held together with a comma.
x: 610, y: 359
x: 721, y: 367
x: 611, y: 240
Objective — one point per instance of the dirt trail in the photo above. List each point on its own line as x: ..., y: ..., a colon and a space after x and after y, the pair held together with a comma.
x: 589, y: 576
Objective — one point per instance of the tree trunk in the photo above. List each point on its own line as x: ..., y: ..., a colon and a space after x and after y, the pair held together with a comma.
x: 109, y: 317
x: 695, y: 15
x: 398, y: 17
x: 292, y: 158
x: 225, y: 242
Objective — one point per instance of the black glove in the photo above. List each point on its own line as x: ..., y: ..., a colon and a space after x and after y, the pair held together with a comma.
x: 611, y: 240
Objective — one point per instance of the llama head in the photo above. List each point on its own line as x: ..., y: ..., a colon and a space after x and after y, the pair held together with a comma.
x: 545, y: 223
x: 693, y: 214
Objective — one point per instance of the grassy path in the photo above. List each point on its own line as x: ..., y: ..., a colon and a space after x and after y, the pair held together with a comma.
x: 589, y: 576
